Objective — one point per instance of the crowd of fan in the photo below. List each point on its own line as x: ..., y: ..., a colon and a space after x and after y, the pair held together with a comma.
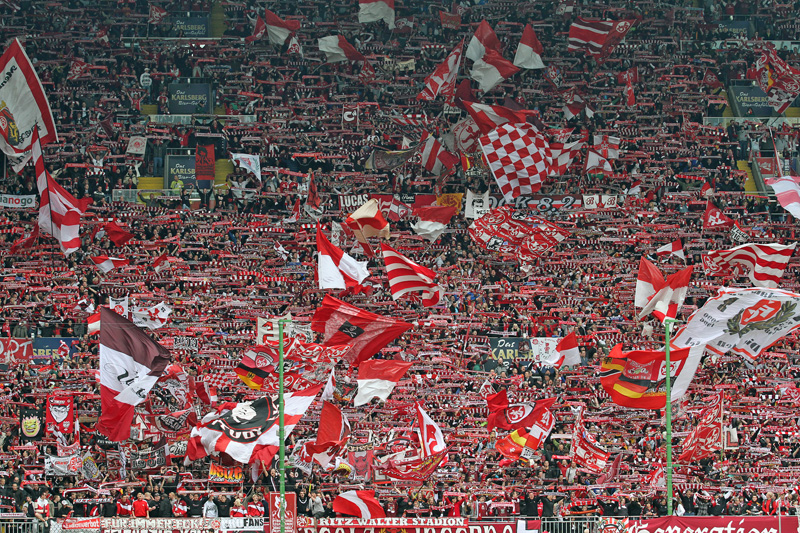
x: 224, y: 270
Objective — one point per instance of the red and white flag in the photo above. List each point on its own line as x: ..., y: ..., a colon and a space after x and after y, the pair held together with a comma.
x: 296, y: 213
x: 106, y: 264
x: 787, y: 189
x: 335, y: 268
x: 157, y: 14
x: 332, y: 434
x: 407, y: 276
x: 630, y: 98
x: 278, y: 30
x: 118, y: 235
x: 368, y: 221
x: 505, y: 415
x: 563, y: 155
x: 25, y: 242
x: 519, y: 158
x: 366, y: 333
x: 484, y: 39
x: 607, y: 146
x: 433, y: 220
x: 491, y: 69
x: 585, y: 451
x: 443, y: 79
x: 93, y: 323
x: 375, y: 10
x: 707, y: 437
x: 597, y: 38
x: 596, y: 163
x: 130, y: 364
x: 360, y: 503
x: 248, y: 431
x: 529, y: 50
x: 430, y: 434
x: 59, y: 211
x: 23, y: 107
x: 764, y: 263
x: 673, y: 248
x: 567, y: 352
x: 667, y: 297
x: 151, y: 317
x: 77, y: 69
x: 337, y: 49
x: 377, y: 379
x: 714, y: 218
x: 435, y: 159
x: 258, y: 31
x: 161, y: 263
x: 489, y: 117
x: 574, y: 105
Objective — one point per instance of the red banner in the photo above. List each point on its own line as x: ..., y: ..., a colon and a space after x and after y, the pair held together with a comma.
x: 734, y: 524
x: 15, y: 350
x: 204, y: 162
x: 290, y: 516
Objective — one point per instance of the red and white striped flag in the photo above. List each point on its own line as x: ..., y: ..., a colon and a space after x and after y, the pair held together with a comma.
x: 519, y: 158
x: 407, y: 276
x: 106, y: 264
x: 435, y: 159
x: 59, y: 211
x: 765, y: 262
x: 597, y: 38
x: 77, y: 69
x: 563, y: 155
x: 443, y: 79
x: 360, y: 503
x: 663, y: 299
x: 673, y: 248
x: 278, y: 30
x: 529, y: 51
x: 491, y: 69
x: 332, y: 434
x: 567, y: 352
x: 375, y: 10
x: 93, y: 323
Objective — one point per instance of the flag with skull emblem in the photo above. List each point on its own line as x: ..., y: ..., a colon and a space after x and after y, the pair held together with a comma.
x: 60, y: 414
x: 248, y: 431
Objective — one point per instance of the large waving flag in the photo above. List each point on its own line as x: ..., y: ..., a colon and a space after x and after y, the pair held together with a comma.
x: 764, y: 263
x: 278, y: 30
x: 637, y: 379
x: 366, y: 333
x: 337, y: 49
x: 23, y: 108
x: 335, y: 268
x: 375, y: 10
x: 130, y: 364
x: 59, y: 212
x: 484, y: 39
x: 505, y: 415
x: 377, y: 379
x: 443, y: 79
x: 407, y: 276
x: 332, y: 435
x: 662, y: 298
x: 368, y: 221
x: 360, y: 503
x: 491, y: 69
x: 529, y: 51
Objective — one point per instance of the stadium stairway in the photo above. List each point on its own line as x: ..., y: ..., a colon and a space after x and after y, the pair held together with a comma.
x: 750, y: 183
x: 793, y: 112
x: 218, y: 26
x: 149, y: 109
x: 222, y: 168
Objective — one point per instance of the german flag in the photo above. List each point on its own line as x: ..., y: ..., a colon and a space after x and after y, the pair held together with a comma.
x: 255, y: 368
x: 512, y: 445
x: 637, y: 379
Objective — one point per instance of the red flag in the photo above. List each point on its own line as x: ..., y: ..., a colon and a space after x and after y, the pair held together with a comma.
x: 157, y: 14
x: 117, y: 235
x: 204, y: 163
x: 258, y: 31
x: 60, y: 414
x: 377, y: 379
x: 630, y: 98
x: 714, y: 218
x: 504, y: 415
x: 443, y: 79
x: 26, y: 242
x: 360, y: 503
x: 366, y: 333
x: 407, y: 276
x: 707, y: 437
x: 332, y: 435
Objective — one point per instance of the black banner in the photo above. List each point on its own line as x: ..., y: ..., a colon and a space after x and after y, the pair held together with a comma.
x: 181, y: 168
x: 149, y: 459
x: 31, y: 424
x: 190, y: 98
x: 189, y: 26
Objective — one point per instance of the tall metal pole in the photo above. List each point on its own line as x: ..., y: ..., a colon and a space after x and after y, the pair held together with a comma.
x: 668, y: 412
x: 281, y: 429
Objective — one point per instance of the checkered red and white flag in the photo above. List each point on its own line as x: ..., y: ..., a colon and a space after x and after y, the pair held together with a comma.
x: 563, y: 156
x: 519, y: 158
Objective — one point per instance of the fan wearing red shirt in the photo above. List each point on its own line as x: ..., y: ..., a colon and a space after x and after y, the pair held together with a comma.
x: 179, y: 507
x: 141, y: 509
x: 256, y: 506
x: 238, y: 510
x: 124, y: 506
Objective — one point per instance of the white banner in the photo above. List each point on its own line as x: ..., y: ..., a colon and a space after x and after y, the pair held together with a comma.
x: 477, y: 206
x: 71, y: 465
x: 745, y: 321
x: 599, y: 201
x: 13, y: 201
x: 251, y: 163
x: 136, y: 145
x: 541, y: 348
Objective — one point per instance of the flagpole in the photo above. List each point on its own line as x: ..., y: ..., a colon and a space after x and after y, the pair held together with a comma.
x: 668, y: 411
x: 281, y: 429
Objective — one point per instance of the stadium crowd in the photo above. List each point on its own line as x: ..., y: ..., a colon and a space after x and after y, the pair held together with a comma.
x: 233, y: 252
